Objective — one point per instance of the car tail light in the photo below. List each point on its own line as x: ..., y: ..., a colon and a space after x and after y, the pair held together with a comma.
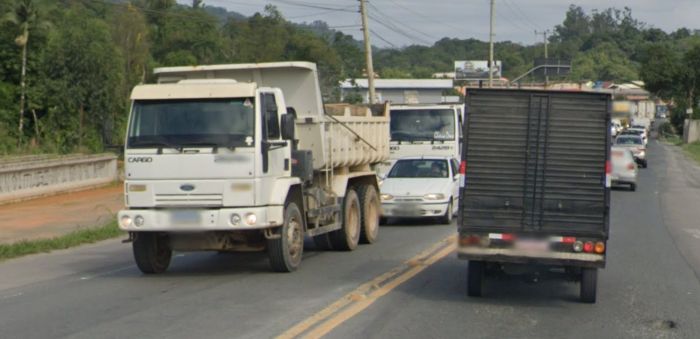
x: 631, y: 166
x: 608, y: 174
x: 588, y: 247
x: 463, y: 167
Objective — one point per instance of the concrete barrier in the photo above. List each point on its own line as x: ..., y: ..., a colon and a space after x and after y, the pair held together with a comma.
x: 691, y: 131
x: 32, y: 176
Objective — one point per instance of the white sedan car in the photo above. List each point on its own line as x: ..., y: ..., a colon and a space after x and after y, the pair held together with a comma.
x: 421, y: 187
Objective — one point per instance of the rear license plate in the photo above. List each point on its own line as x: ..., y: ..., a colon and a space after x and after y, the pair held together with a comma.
x: 532, y: 245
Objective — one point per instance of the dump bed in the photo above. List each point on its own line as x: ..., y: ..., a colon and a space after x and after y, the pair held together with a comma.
x: 536, y: 163
x: 339, y: 135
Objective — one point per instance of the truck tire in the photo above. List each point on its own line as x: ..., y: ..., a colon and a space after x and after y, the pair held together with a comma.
x: 449, y: 213
x: 370, y: 211
x: 475, y: 278
x: 285, y: 252
x: 589, y: 281
x: 348, y: 236
x: 152, y: 252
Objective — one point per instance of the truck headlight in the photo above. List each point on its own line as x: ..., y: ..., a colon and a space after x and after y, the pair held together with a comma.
x: 235, y: 219
x: 386, y: 197
x: 138, y: 221
x: 125, y: 221
x: 251, y: 219
x: 434, y: 196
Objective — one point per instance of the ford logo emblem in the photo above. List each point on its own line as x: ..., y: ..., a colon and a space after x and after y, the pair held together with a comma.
x: 187, y: 187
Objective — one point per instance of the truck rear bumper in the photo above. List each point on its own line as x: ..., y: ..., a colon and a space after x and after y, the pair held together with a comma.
x: 196, y: 220
x: 506, y: 255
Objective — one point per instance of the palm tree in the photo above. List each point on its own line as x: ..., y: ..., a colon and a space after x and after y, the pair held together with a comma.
x: 25, y: 16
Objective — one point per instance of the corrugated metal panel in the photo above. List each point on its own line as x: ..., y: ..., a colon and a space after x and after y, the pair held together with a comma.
x: 536, y: 162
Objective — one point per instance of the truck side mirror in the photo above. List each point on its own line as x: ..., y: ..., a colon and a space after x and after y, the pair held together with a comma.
x: 287, y: 126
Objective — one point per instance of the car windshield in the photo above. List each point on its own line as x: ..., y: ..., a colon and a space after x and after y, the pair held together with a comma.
x: 628, y: 141
x: 422, y: 124
x: 178, y: 123
x: 419, y: 168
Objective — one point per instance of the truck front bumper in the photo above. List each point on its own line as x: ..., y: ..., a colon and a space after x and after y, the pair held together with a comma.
x: 197, y: 220
x: 553, y: 258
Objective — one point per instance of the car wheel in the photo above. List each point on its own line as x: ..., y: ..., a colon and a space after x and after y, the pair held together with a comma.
x: 447, y: 218
x: 633, y: 187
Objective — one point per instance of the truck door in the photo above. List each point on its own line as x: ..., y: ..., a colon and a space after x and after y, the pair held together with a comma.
x: 275, y: 151
x: 535, y: 162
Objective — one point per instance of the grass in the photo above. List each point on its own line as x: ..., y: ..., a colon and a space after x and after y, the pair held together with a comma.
x: 672, y: 139
x: 75, y: 238
x: 693, y: 150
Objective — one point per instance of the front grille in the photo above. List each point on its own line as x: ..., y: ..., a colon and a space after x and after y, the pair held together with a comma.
x: 192, y: 199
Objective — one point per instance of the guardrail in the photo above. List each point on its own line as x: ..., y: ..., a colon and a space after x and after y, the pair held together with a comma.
x: 32, y: 176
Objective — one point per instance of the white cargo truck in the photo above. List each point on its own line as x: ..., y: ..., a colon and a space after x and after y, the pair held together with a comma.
x: 245, y: 157
x: 424, y: 129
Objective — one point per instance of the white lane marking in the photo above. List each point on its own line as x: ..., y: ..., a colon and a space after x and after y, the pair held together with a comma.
x: 18, y: 294
x: 90, y: 277
x: 695, y: 233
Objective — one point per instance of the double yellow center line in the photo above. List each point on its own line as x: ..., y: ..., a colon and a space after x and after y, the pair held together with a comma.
x: 363, y: 296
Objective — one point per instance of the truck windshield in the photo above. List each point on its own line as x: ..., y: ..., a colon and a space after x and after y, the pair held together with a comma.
x: 422, y: 125
x: 199, y: 122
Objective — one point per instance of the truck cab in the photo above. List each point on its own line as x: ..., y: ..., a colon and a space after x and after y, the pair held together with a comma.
x: 424, y: 129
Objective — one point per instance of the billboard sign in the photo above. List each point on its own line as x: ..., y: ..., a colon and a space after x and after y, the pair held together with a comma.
x: 476, y: 70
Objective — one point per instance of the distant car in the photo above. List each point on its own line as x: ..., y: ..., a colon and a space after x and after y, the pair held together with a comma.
x: 642, y: 133
x: 420, y: 187
x: 636, y: 145
x: 624, y: 167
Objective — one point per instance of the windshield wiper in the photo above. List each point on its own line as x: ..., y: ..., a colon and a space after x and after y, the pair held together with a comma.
x: 214, y: 146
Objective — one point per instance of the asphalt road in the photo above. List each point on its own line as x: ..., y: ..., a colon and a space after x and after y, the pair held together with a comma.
x: 394, y: 288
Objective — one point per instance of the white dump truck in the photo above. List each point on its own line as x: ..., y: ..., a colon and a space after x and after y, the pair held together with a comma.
x: 245, y: 157
x: 424, y: 129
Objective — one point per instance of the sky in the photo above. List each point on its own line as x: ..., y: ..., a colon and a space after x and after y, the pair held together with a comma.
x: 399, y: 23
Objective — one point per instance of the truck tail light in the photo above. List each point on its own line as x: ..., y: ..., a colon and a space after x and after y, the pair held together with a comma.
x: 599, y: 247
x: 469, y: 240
x: 588, y: 247
x: 568, y: 240
x: 578, y: 246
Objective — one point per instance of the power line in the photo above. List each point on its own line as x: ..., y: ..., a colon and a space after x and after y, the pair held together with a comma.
x: 382, y: 38
x: 427, y: 18
x: 521, y: 13
x: 396, y: 24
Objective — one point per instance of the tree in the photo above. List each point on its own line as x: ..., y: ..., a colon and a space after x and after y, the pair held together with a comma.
x: 25, y: 16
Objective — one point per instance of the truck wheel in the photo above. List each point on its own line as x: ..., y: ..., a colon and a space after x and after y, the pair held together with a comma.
x: 369, y: 201
x: 475, y: 278
x: 348, y: 236
x: 286, y: 251
x: 447, y: 218
x: 589, y: 280
x: 152, y: 252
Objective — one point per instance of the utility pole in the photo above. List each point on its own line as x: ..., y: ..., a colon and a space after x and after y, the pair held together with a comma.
x: 546, y: 55
x: 368, y: 53
x: 493, y: 8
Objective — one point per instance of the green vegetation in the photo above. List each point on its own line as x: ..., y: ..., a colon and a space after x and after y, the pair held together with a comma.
x: 75, y: 238
x: 67, y: 67
x: 693, y: 150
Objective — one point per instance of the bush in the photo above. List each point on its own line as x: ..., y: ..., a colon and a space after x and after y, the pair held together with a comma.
x: 666, y: 129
